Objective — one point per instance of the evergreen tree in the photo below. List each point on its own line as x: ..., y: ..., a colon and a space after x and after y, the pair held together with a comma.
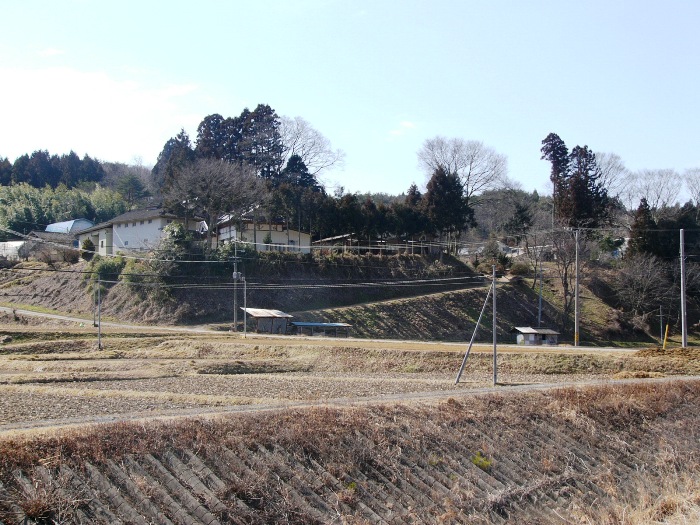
x: 444, y: 204
x: 211, y: 137
x: 5, y: 172
x: 70, y: 168
x: 643, y: 232
x: 580, y: 198
x: 176, y: 155
x: 555, y: 151
x: 261, y: 143
x: 297, y: 174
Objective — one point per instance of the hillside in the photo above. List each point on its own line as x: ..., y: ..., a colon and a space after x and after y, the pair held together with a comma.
x: 406, y: 297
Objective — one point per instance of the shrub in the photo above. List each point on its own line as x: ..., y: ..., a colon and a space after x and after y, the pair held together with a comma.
x: 481, y: 461
x: 87, y: 249
x: 520, y: 268
x: 107, y: 268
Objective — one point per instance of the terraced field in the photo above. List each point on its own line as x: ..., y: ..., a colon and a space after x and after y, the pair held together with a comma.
x: 209, y: 428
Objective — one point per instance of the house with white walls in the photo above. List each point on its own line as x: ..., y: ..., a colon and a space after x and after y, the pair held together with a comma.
x: 264, y: 234
x: 137, y: 230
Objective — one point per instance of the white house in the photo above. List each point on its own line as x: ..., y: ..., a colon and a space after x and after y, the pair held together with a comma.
x: 137, y: 230
x: 267, y: 235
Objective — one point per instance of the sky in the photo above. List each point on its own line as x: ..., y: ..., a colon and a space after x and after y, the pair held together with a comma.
x: 116, y: 80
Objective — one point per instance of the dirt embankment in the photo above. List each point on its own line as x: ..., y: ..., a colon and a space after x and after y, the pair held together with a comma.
x: 403, y: 297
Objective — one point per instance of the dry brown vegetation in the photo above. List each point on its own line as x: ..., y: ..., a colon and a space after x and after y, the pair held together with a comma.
x: 624, y: 454
x: 338, y: 431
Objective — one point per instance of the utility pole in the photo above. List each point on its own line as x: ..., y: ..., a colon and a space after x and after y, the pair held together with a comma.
x: 495, y: 365
x: 539, y: 310
x: 576, y: 305
x: 684, y: 321
x: 245, y: 308
x: 99, y: 313
x: 235, y: 285
x: 236, y: 277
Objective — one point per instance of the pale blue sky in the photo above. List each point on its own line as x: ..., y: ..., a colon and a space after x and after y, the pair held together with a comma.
x: 116, y: 80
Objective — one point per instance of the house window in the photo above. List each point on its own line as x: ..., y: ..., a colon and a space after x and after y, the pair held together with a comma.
x: 102, y: 244
x: 141, y: 222
x: 133, y: 223
x: 150, y: 221
x: 168, y: 221
x: 119, y: 225
x: 126, y: 243
x: 126, y: 225
x: 145, y: 241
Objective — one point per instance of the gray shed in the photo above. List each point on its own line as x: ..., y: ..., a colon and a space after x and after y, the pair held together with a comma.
x: 526, y: 335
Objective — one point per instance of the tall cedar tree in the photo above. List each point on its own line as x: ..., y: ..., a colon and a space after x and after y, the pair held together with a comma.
x: 580, y: 198
x: 444, y: 203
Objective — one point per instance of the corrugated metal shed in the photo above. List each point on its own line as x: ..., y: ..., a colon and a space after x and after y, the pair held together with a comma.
x: 530, y: 330
x: 526, y: 335
x: 269, y: 321
x: 263, y: 312
x: 324, y: 328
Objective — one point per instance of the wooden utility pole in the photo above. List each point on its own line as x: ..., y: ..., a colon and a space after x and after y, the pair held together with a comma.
x: 684, y: 321
x: 495, y: 352
x: 99, y: 313
x: 576, y: 302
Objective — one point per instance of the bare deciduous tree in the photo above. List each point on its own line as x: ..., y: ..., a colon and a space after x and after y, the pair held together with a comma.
x: 315, y: 150
x: 478, y: 167
x: 614, y: 176
x: 563, y: 242
x: 642, y: 284
x: 216, y: 187
x: 659, y: 187
x: 692, y: 181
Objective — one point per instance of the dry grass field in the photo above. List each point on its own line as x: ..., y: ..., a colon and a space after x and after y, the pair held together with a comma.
x: 53, y: 375
x: 161, y: 426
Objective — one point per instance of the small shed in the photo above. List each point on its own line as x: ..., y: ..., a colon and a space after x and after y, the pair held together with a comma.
x: 269, y: 321
x: 526, y: 335
x: 334, y: 329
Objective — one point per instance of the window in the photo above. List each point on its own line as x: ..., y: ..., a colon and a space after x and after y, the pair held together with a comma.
x: 168, y: 221
x: 119, y: 225
x: 150, y: 221
x: 126, y: 225
x: 133, y: 223
x: 126, y: 243
x: 141, y: 222
x: 102, y: 244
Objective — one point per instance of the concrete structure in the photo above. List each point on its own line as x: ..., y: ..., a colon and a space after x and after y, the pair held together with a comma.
x: 526, y: 335
x: 137, y: 230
